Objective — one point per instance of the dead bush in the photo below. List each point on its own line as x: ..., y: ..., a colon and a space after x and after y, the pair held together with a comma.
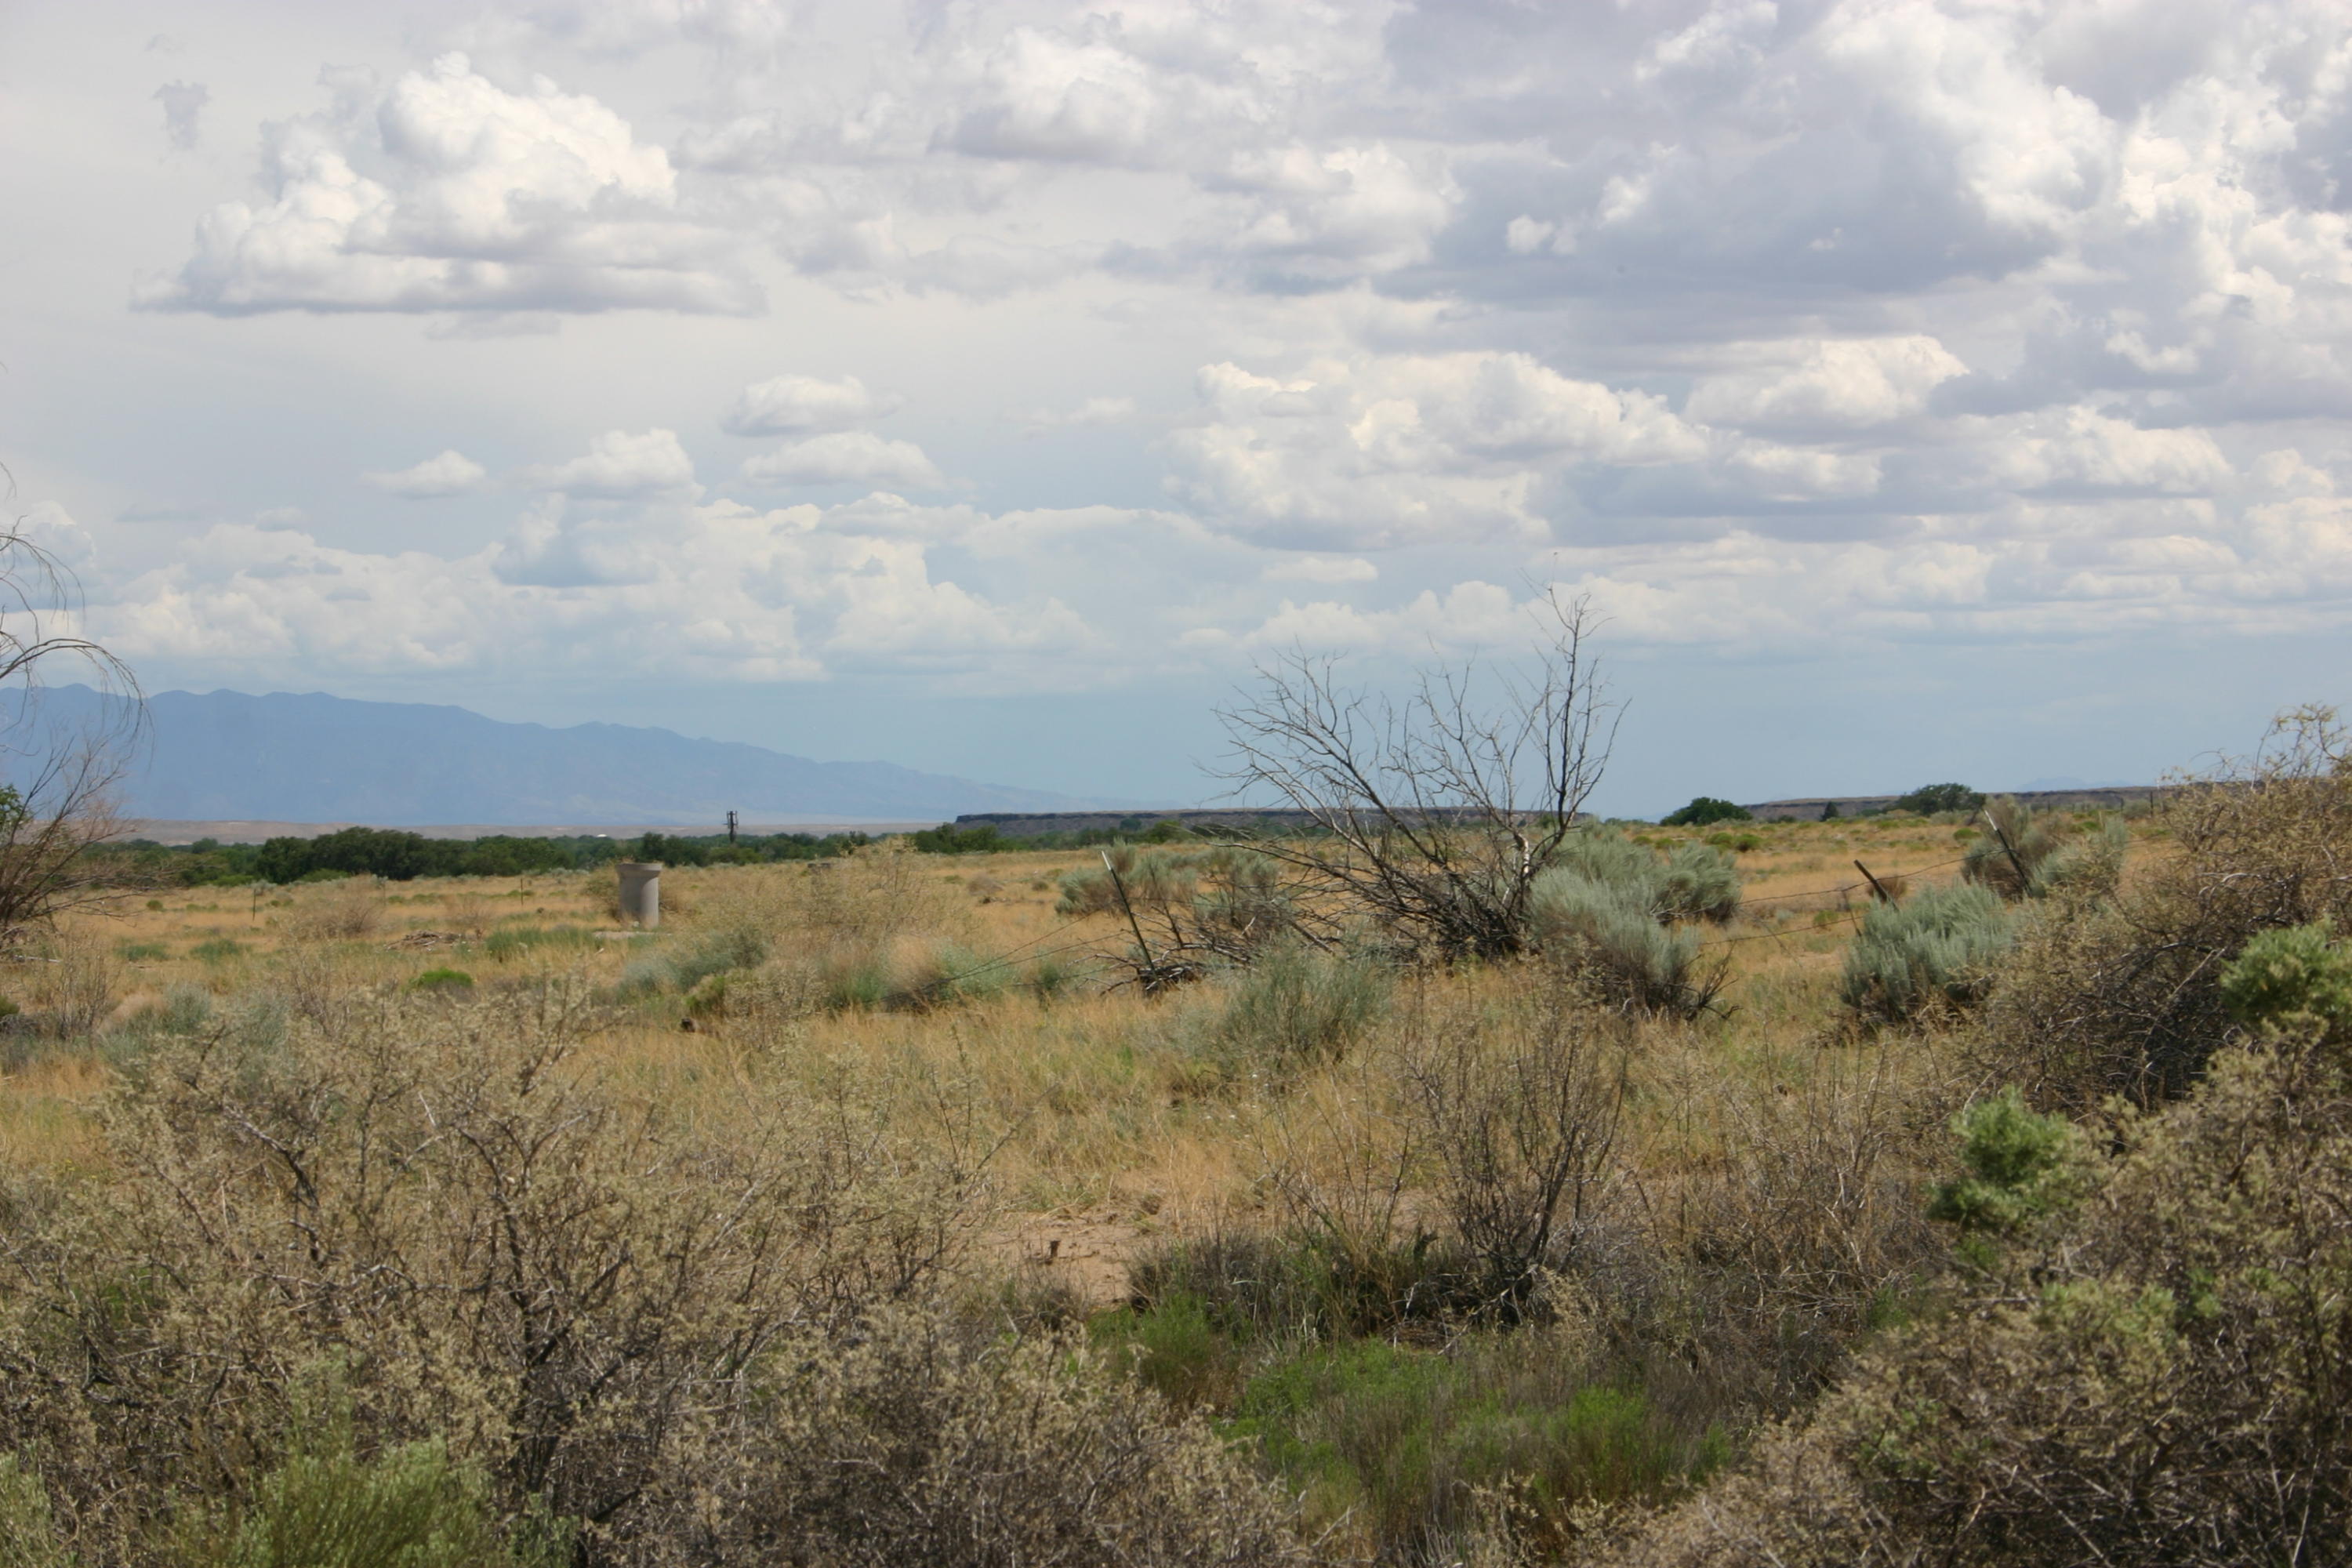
x: 572, y: 1289
x: 1766, y: 1262
x: 929, y: 1442
x: 2103, y: 997
x: 1519, y: 1117
x: 341, y: 912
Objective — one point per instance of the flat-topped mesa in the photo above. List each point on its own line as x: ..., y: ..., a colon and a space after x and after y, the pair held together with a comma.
x: 1261, y: 820
x: 2112, y: 797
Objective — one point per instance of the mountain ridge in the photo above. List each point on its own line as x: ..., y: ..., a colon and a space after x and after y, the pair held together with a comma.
x: 312, y: 756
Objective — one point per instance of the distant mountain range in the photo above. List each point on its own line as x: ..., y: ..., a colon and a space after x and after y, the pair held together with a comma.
x: 315, y: 758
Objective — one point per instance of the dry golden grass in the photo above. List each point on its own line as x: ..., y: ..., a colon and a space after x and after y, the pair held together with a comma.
x: 1092, y: 1100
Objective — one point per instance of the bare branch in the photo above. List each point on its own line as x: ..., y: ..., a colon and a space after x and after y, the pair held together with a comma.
x: 1436, y: 809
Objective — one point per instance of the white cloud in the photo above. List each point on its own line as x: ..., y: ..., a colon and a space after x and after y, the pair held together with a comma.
x: 2079, y: 450
x: 620, y: 466
x: 790, y: 404
x: 452, y: 473
x: 721, y: 592
x: 448, y: 193
x: 847, y: 456
x: 1332, y: 214
x: 1400, y: 449
x: 1833, y: 385
x: 1885, y: 319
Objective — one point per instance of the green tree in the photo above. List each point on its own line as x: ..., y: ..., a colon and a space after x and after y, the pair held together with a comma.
x: 1929, y: 799
x: 1707, y: 809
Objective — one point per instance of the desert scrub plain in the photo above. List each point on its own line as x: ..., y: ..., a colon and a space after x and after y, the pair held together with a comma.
x: 865, y: 1214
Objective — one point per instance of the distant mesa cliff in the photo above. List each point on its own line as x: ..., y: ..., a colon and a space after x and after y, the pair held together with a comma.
x: 2107, y: 798
x: 315, y: 758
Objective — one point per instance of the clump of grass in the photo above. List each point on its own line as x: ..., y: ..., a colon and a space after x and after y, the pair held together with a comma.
x: 1402, y: 1442
x: 1409, y: 1439
x: 680, y: 969
x: 511, y: 941
x: 142, y: 952
x: 1297, y: 1006
x: 952, y: 973
x: 218, y: 949
x: 442, y: 981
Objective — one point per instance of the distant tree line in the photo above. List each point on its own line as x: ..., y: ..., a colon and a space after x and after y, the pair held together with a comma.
x: 948, y: 838
x: 401, y: 856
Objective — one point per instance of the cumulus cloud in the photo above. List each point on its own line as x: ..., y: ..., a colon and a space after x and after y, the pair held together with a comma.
x: 452, y: 473
x: 845, y: 457
x: 722, y: 592
x: 619, y: 466
x: 1833, y: 386
x: 445, y: 192
x: 1395, y: 449
x: 791, y: 405
x: 1908, y: 319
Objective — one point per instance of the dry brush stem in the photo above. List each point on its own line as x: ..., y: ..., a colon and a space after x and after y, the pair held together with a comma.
x: 1441, y: 807
x: 1520, y: 1119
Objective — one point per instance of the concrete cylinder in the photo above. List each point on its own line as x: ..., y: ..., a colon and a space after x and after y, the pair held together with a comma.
x: 641, y: 894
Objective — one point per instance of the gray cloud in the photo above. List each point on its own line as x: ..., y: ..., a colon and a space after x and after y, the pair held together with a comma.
x: 183, y: 102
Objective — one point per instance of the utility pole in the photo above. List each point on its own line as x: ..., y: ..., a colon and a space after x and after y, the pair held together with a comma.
x: 730, y: 827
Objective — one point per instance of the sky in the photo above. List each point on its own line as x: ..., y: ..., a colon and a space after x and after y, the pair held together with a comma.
x: 1916, y: 391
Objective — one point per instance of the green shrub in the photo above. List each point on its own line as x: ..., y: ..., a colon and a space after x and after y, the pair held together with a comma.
x: 28, y: 1531
x: 441, y: 980
x: 1297, y: 1005
x: 1408, y: 1440
x: 947, y: 838
x: 2089, y: 866
x: 220, y: 950
x: 143, y: 952
x: 1706, y: 810
x: 2282, y: 974
x: 2022, y: 1165
x: 323, y: 1506
x: 1699, y: 882
x: 2150, y: 1376
x: 1937, y: 947
x: 1609, y: 933
x: 1694, y: 881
